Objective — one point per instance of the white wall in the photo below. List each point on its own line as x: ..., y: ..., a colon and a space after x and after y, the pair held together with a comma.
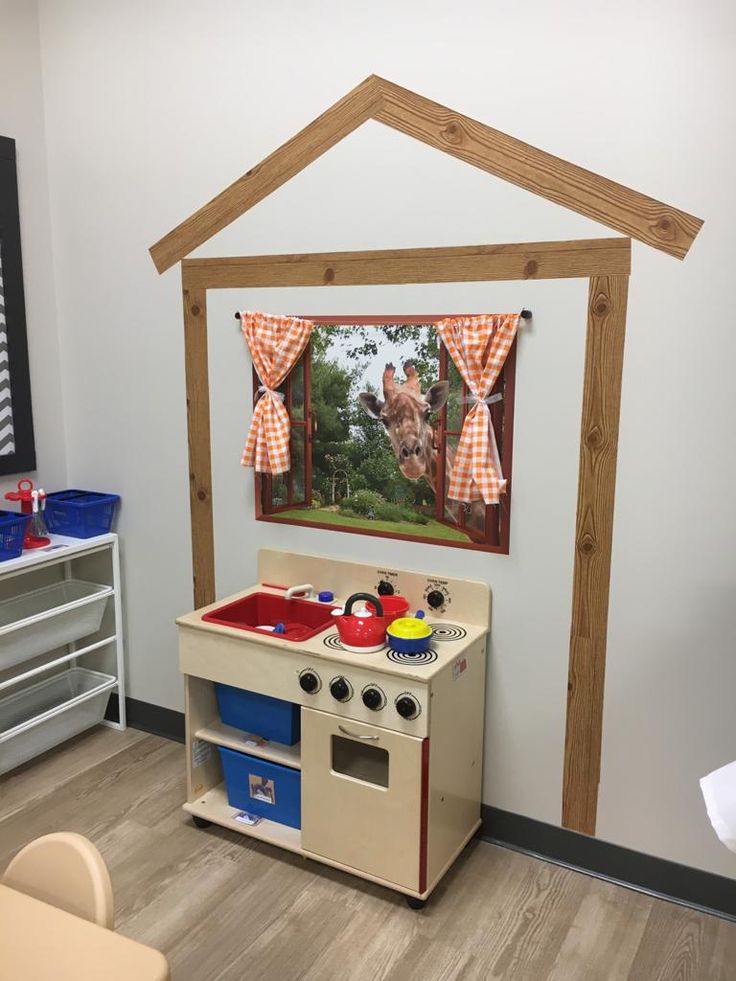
x: 154, y: 107
x: 22, y: 119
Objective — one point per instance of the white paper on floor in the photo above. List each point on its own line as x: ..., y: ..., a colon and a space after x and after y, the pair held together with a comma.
x: 719, y: 791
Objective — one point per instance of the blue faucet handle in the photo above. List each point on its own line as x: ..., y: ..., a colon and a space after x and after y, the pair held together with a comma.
x: 420, y: 614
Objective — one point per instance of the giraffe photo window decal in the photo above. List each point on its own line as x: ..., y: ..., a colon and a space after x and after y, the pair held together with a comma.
x: 376, y: 407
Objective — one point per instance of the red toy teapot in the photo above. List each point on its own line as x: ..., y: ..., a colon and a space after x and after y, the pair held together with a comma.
x: 364, y: 631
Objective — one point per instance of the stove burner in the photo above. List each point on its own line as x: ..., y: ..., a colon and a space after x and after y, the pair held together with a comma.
x: 447, y: 631
x: 423, y: 657
x: 333, y: 642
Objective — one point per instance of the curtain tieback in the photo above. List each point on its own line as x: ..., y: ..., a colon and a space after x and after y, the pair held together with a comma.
x: 265, y: 390
x: 488, y: 400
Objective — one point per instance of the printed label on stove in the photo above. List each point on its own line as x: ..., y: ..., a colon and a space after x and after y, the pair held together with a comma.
x: 388, y: 582
x: 261, y: 789
x: 458, y: 667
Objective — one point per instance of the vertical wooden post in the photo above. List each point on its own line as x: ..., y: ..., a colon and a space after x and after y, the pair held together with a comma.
x: 593, y: 534
x: 198, y: 432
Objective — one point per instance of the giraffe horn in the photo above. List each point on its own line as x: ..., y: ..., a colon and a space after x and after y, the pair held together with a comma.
x: 412, y: 379
x: 389, y: 381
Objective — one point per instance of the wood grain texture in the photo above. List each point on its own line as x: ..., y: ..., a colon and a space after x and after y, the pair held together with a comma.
x: 280, y: 166
x: 223, y: 907
x: 604, y: 351
x: 627, y: 211
x: 460, y: 264
x: 198, y: 431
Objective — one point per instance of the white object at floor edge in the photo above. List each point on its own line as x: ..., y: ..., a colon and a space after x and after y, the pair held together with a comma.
x: 719, y: 792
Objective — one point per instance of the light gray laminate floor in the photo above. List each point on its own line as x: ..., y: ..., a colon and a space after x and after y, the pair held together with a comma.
x: 223, y: 907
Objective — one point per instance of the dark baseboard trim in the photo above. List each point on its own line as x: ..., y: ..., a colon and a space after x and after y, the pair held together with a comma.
x: 681, y: 884
x: 149, y: 718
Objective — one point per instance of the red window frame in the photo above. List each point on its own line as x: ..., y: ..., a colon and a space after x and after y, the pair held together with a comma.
x: 497, y: 527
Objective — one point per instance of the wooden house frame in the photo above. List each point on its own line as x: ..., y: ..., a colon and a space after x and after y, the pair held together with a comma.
x: 604, y: 262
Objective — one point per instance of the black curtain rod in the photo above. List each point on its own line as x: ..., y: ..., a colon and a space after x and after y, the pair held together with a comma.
x: 525, y: 315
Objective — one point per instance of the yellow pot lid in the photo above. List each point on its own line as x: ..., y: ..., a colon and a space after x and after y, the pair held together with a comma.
x: 409, y: 628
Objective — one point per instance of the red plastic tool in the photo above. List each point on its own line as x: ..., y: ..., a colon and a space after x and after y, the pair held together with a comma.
x: 24, y: 494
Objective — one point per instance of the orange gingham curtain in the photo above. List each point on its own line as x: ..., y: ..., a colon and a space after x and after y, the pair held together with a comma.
x: 275, y: 344
x: 478, y: 346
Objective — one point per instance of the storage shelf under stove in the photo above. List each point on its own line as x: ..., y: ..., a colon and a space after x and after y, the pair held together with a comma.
x: 213, y: 806
x: 221, y: 734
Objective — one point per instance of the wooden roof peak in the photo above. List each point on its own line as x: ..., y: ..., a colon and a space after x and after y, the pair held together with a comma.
x: 614, y: 205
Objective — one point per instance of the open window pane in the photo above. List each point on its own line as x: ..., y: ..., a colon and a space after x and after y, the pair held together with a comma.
x: 298, y: 453
x: 453, y: 510
x: 297, y: 391
x: 279, y: 490
x: 455, y: 405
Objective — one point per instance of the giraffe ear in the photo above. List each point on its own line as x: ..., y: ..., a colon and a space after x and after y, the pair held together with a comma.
x: 371, y: 404
x: 436, y: 396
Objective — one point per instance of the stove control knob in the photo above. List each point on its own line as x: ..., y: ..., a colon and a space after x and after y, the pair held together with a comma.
x: 407, y: 706
x: 309, y: 682
x: 341, y: 689
x: 436, y: 599
x: 373, y: 698
x: 385, y: 588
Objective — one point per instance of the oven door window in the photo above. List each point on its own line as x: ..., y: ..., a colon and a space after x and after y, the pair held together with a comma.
x: 360, y: 761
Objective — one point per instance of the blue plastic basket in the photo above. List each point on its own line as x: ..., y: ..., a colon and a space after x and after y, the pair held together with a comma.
x: 12, y: 533
x: 80, y: 513
x: 262, y: 715
x: 267, y: 789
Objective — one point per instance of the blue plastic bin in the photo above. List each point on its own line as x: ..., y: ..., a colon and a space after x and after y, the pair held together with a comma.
x: 80, y: 513
x: 268, y: 789
x: 12, y: 533
x: 272, y: 718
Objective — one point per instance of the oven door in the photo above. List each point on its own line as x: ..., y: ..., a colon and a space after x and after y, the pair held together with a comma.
x: 364, y: 797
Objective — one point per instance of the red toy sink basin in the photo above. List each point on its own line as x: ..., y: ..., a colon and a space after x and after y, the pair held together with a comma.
x: 302, y: 619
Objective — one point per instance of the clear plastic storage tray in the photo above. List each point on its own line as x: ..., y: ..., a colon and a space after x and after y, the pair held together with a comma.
x: 46, y: 714
x: 49, y: 617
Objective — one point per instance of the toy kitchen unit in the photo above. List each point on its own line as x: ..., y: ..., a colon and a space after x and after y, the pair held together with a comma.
x: 367, y: 761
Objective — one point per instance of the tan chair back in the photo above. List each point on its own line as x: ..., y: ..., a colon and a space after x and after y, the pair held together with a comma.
x: 67, y: 871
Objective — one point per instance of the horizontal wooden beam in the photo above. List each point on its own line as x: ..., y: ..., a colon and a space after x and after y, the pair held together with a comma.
x: 463, y: 264
x: 614, y: 205
x: 280, y: 166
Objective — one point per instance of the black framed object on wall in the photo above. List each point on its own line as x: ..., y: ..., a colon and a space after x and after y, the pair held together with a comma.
x: 17, y: 447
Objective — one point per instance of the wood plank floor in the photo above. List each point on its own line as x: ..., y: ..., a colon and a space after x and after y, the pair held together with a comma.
x: 223, y: 908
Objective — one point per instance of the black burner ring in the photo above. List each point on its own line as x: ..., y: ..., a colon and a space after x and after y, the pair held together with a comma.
x: 423, y: 657
x: 447, y: 631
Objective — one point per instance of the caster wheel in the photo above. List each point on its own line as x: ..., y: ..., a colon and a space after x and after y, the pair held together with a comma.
x: 200, y: 822
x: 413, y: 903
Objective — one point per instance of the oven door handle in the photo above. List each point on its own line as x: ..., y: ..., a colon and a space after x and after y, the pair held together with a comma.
x: 354, y: 735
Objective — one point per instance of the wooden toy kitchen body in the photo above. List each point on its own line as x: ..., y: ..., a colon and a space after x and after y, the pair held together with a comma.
x: 388, y: 778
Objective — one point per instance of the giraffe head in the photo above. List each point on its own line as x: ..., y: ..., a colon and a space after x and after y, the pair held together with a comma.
x: 405, y: 413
